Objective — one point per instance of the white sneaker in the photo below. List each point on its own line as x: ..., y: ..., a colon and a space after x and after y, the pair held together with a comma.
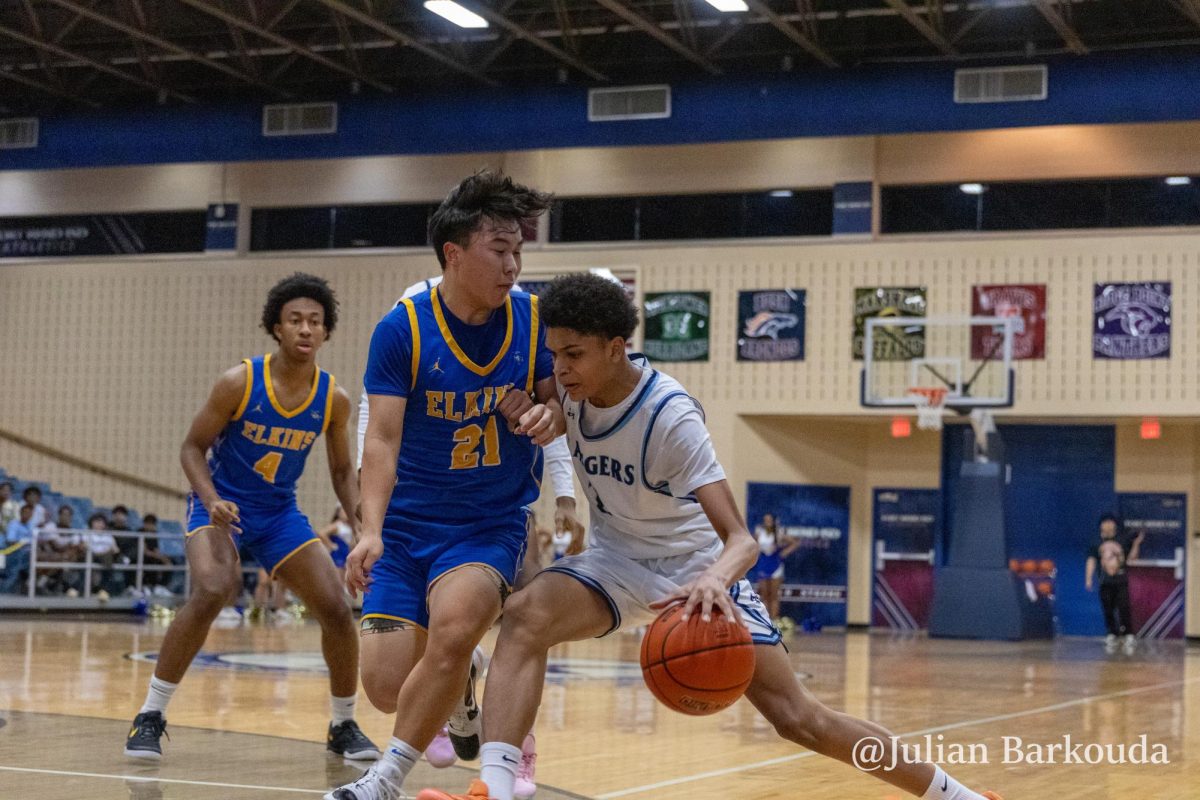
x: 524, y: 787
x: 161, y: 591
x: 1110, y: 641
x: 464, y: 725
x: 1130, y: 642
x: 373, y: 785
x: 102, y: 596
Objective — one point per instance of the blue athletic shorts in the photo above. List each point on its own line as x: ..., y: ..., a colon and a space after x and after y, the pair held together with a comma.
x: 415, y: 555
x: 339, y: 552
x: 271, y: 536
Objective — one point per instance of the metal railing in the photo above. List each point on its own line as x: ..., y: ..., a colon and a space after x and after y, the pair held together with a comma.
x: 134, y: 565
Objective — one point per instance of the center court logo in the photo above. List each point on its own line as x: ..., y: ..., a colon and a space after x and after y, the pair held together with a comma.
x: 872, y: 753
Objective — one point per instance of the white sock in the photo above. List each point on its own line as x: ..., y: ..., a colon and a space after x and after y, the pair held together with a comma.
x: 159, y: 695
x: 943, y: 787
x: 397, y: 761
x: 341, y: 709
x: 499, y: 768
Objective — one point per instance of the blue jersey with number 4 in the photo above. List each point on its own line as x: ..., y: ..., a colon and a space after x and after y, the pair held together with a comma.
x: 260, y: 455
x: 458, y: 462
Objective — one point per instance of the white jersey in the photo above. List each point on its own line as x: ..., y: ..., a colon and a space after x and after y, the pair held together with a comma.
x: 640, y: 462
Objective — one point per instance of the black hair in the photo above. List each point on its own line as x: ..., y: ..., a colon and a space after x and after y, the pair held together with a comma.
x: 29, y: 489
x: 488, y: 194
x: 65, y: 507
x: 590, y: 305
x: 120, y: 510
x: 1110, y: 517
x: 299, y: 284
x: 97, y: 515
x: 150, y: 518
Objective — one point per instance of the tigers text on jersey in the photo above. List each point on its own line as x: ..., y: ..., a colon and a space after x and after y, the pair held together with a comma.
x: 458, y: 460
x: 640, y: 463
x: 260, y: 455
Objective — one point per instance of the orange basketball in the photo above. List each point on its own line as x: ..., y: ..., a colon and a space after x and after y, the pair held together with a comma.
x: 697, y: 667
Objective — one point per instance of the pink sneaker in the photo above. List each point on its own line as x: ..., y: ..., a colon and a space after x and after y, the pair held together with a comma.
x: 524, y: 787
x: 440, y: 752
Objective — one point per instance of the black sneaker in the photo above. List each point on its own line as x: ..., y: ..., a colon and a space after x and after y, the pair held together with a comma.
x: 142, y: 742
x: 464, y: 725
x: 348, y: 741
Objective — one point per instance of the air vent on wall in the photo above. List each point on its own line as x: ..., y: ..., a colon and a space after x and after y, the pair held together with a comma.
x: 629, y: 102
x: 1000, y: 84
x: 300, y: 119
x: 16, y: 134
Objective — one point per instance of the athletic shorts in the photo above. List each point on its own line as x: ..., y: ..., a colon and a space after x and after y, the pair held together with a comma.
x: 339, y: 552
x: 629, y: 586
x: 416, y: 555
x: 270, y: 536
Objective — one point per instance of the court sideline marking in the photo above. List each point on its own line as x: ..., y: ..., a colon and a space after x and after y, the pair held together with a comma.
x: 770, y: 762
x: 144, y: 779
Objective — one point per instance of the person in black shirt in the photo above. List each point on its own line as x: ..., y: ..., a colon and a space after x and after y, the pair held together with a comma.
x: 1111, y: 554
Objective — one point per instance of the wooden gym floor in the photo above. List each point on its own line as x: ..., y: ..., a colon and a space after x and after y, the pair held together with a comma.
x: 249, y: 719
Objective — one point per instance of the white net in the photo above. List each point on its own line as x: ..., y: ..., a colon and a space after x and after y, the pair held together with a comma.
x: 930, y: 404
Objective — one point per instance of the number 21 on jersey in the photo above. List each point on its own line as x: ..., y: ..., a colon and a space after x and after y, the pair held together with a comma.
x: 466, y: 445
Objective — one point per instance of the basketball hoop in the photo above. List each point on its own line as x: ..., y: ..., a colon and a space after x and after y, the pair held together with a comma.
x: 929, y: 402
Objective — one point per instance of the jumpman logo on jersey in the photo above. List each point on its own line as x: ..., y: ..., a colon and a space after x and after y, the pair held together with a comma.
x: 517, y: 358
x: 315, y: 414
x: 257, y: 409
x: 437, y: 367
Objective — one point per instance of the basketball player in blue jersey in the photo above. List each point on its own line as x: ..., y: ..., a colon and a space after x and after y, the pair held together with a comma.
x: 665, y: 529
x: 450, y: 464
x: 258, y: 426
x: 462, y: 730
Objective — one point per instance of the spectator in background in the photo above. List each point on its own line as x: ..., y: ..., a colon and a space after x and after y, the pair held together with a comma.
x: 154, y: 581
x: 338, y: 538
x: 127, y: 546
x: 1114, y: 550
x: 33, y: 497
x: 9, y: 509
x: 57, y: 543
x: 105, y: 553
x: 18, y: 537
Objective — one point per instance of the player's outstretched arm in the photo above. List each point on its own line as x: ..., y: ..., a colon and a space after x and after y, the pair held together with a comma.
x: 381, y: 449
x: 337, y: 448
x: 222, y: 404
x: 711, y: 588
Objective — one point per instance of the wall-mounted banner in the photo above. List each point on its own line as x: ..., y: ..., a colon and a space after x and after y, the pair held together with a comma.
x: 676, y: 326
x: 222, y: 227
x: 103, y: 234
x: 893, y: 343
x: 852, y: 208
x: 771, y: 325
x: 906, y: 523
x: 1156, y: 587
x: 1026, y: 300
x: 1133, y: 320
x: 815, y: 574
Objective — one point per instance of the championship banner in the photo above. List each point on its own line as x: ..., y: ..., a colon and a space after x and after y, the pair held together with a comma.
x: 676, y: 326
x: 771, y: 325
x: 1133, y: 320
x: 892, y: 343
x: 1156, y: 587
x: 1027, y: 301
x: 815, y: 574
x: 906, y: 524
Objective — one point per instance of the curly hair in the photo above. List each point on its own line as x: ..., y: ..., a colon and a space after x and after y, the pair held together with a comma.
x: 299, y: 284
x: 486, y: 195
x: 588, y: 304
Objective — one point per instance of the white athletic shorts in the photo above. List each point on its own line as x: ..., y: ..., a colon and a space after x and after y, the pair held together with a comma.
x: 629, y: 586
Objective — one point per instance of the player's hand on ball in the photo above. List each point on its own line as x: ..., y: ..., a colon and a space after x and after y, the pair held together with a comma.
x: 223, y: 512
x: 703, y: 594
x: 359, y: 563
x: 514, y: 405
x: 538, y: 424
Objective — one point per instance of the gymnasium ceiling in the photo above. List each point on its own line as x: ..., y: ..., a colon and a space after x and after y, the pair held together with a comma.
x: 75, y: 54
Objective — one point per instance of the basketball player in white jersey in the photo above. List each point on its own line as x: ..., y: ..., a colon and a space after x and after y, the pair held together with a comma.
x: 664, y: 529
x: 460, y: 736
